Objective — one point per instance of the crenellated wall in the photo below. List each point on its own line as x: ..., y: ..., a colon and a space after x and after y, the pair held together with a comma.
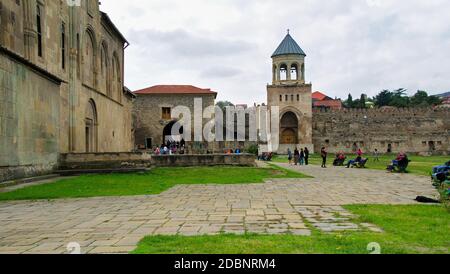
x: 413, y: 130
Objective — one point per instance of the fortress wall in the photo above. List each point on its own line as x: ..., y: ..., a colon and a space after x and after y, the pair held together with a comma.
x: 412, y: 130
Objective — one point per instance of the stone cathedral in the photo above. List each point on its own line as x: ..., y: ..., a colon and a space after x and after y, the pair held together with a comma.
x: 61, y: 85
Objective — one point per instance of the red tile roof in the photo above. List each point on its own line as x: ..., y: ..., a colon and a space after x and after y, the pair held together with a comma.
x: 175, y: 89
x: 319, y: 96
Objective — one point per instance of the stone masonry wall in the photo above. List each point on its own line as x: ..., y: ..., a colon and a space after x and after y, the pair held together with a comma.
x: 87, y: 161
x: 422, y: 131
x: 41, y: 117
x: 29, y: 121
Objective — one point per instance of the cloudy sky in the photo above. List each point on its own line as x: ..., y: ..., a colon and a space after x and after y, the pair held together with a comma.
x: 352, y: 45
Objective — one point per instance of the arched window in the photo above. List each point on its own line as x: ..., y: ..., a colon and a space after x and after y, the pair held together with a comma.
x: 294, y: 72
x: 91, y: 126
x: 116, y: 86
x: 283, y: 72
x: 63, y: 45
x: 39, y: 20
x: 104, y: 70
x: 89, y: 59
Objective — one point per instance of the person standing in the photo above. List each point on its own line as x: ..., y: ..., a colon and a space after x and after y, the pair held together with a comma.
x: 376, y: 155
x: 302, y: 157
x: 306, y: 156
x: 290, y: 156
x: 296, y: 156
x: 324, y: 155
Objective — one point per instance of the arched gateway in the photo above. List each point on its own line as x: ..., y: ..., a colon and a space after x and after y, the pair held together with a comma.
x: 289, y: 129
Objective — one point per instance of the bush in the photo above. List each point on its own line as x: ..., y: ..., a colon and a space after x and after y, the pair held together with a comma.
x: 445, y: 194
x: 253, y: 149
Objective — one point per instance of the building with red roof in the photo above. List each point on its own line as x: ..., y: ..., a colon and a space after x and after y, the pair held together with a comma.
x: 175, y: 89
x: 322, y: 101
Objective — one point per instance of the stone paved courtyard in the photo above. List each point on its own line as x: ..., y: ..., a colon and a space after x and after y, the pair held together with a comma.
x: 116, y: 224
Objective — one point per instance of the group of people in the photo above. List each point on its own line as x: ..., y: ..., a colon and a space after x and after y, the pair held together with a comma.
x: 358, y: 159
x: 300, y: 157
x: 233, y: 151
x: 340, y: 158
x: 265, y: 156
x: 170, y: 148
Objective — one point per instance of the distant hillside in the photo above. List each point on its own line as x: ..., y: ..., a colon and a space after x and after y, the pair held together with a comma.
x: 447, y: 94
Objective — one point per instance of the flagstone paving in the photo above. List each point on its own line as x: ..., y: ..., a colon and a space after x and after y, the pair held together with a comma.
x: 294, y: 206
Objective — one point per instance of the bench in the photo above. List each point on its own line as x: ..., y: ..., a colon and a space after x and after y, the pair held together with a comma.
x: 399, y: 168
x: 360, y: 164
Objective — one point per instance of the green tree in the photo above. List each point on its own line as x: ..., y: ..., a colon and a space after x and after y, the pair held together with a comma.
x: 224, y: 104
x: 434, y: 100
x: 400, y: 98
x: 362, y: 101
x: 383, y: 98
x: 420, y: 99
x: 349, y: 102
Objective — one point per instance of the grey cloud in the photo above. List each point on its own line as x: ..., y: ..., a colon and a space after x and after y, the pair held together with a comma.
x: 220, y: 72
x: 352, y: 45
x: 185, y: 44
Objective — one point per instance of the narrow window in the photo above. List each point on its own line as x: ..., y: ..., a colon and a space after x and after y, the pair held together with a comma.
x: 281, y: 98
x: 166, y: 114
x: 292, y: 97
x: 298, y: 97
x: 63, y: 46
x: 78, y: 56
x: 39, y: 29
x: 287, y: 98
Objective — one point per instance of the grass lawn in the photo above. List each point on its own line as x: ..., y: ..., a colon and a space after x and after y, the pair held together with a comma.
x: 152, y: 182
x: 408, y: 230
x: 421, y: 165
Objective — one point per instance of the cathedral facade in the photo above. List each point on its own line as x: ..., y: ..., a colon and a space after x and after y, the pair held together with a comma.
x: 61, y: 85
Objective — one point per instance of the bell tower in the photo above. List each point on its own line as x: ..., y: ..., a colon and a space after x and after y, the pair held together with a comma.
x: 290, y: 92
x: 288, y: 63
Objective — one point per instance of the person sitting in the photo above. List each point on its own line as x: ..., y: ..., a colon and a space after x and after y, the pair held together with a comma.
x: 400, y: 163
x: 354, y: 161
x: 404, y: 161
x: 340, y: 159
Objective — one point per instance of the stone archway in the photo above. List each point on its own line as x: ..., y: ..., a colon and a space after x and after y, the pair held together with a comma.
x: 289, y: 129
